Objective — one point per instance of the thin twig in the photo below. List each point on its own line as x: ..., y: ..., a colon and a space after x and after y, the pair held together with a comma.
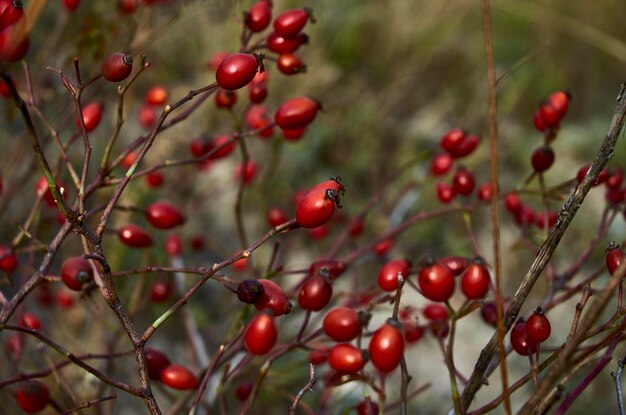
x: 617, y: 378
x: 305, y: 389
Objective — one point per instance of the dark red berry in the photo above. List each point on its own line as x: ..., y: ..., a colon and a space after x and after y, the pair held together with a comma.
x: 315, y: 293
x: 156, y: 362
x: 389, y: 273
x: 8, y: 260
x: 237, y: 70
x: 134, y: 236
x: 512, y: 202
x: 32, y: 396
x: 614, y: 257
x: 261, y: 334
x: 250, y: 291
x: 273, y: 298
x: 582, y: 172
x: 163, y: 215
x: 225, y: 99
x: 75, y: 272
x: 521, y: 341
x: 542, y: 158
x: 327, y: 268
x: 456, y: 264
x: 538, y: 326
x: 463, y: 182
x: 160, y: 291
x: 117, y: 67
x: 445, y: 192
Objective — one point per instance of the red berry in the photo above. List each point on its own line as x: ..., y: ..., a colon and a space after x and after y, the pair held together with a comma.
x: 475, y: 280
x: 367, y: 407
x: 71, y: 5
x: 342, y: 324
x: 147, y: 116
x: 92, y: 113
x: 452, y: 139
x: 388, y: 274
x: 225, y: 99
x: 386, y: 348
x: 525, y: 216
x: 30, y: 321
x: 434, y: 312
x: 560, y: 102
x: 243, y: 390
x: 355, y: 226
x: 251, y: 171
x: 65, y: 299
x: 318, y: 233
x: 489, y: 313
x: 12, y: 14
x: 614, y: 257
x: 157, y: 95
x: 542, y: 158
x: 382, y: 247
x: 441, y: 164
x: 281, y: 44
x: 318, y: 356
x: 346, y: 358
x: 436, y: 281
x: 154, y: 179
x: 615, y: 179
x: 463, y: 181
x: 539, y: 124
x: 8, y: 260
x: 318, y: 205
x: 261, y: 334
x: 273, y: 298
x: 14, y: 43
x: 276, y: 216
x: 134, y: 236
x: 445, y: 192
x: 456, y: 264
x: 521, y: 341
x: 221, y: 146
x: 41, y: 188
x: 117, y: 67
x: 156, y: 362
x: 296, y: 113
x: 412, y: 332
x: 237, y: 70
x: 4, y: 88
x: 160, y: 291
x: 127, y: 6
x: 75, y: 272
x: 290, y: 64
x: 240, y: 265
x: 541, y: 219
x: 163, y: 215
x: 173, y: 245
x: 289, y: 23
x: 315, y: 293
x: 582, y: 172
x: 485, y: 192
x: 549, y: 115
x: 179, y: 377
x: 538, y: 326
x: 512, y: 202
x: 257, y: 93
x: 466, y: 147
x: 32, y: 396
x: 259, y: 16
x: 257, y: 118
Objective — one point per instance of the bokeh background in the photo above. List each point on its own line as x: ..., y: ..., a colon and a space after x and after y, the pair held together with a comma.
x: 393, y: 76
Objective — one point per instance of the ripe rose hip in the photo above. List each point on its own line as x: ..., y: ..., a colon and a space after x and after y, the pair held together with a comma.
x: 14, y: 43
x: 342, y: 324
x: 156, y: 362
x: 30, y: 321
x: 582, y: 172
x: 382, y: 247
x: 318, y: 355
x: 435, y: 280
x: 163, y: 215
x: 367, y: 407
x: 259, y: 16
x: 289, y: 23
x: 388, y: 274
x: 614, y: 257
x: 327, y: 268
x: 538, y: 326
x: 92, y: 114
x: 179, y: 377
x: 386, y: 348
x: 290, y: 64
x: 276, y: 216
x: 318, y: 205
x: 412, y: 332
x: 237, y: 70
x: 273, y: 298
x: 154, y: 179
x: 549, y: 114
x: 117, y: 67
x: 261, y: 334
x: 463, y: 181
x: 250, y: 291
x: 32, y: 396
x: 296, y: 113
x: 475, y: 280
x: 225, y: 99
x: 521, y: 341
x: 466, y: 147
x: 489, y: 313
x: 173, y: 245
x: 12, y: 14
x: 127, y: 6
x: 221, y: 146
x: 157, y: 95
x: 251, y: 170
x: 315, y: 293
x: 346, y: 358
x: 147, y: 116
x: 542, y: 159
x: 445, y: 192
x: 441, y: 164
x: 257, y: 93
x: 243, y: 389
x: 456, y: 264
x: 512, y: 202
x: 452, y: 139
x: 539, y: 124
x: 281, y: 44
x: 41, y: 187
x: 485, y: 192
x: 160, y: 291
x: 8, y: 260
x: 134, y: 236
x: 75, y: 272
x: 560, y: 101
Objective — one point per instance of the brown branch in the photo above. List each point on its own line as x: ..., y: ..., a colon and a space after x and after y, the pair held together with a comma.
x: 305, y: 389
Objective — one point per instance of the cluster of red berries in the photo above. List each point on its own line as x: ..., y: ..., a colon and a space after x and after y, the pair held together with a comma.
x: 527, y: 335
x: 14, y: 40
x: 173, y: 375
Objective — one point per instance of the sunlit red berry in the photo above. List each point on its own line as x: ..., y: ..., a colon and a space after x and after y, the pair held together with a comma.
x: 237, y: 70
x: 542, y: 159
x: 456, y: 264
x: 273, y: 298
x: 445, y: 192
x: 342, y: 324
x: 260, y: 334
x: 386, y: 348
x: 549, y: 114
x: 560, y: 102
x: 614, y: 257
x: 134, y: 236
x: 281, y: 44
x: 318, y: 205
x: 346, y: 358
x: 8, y: 260
x: 475, y: 280
x: 30, y: 321
x: 225, y: 99
x: 289, y: 23
x: 157, y: 95
x: 259, y: 16
x: 440, y: 164
x: 315, y: 293
x: 463, y: 182
x: 163, y: 215
x: 296, y: 113
x: 179, y: 377
x: 290, y: 64
x: 436, y: 281
x: 538, y: 326
x: 389, y: 273
x: 521, y: 341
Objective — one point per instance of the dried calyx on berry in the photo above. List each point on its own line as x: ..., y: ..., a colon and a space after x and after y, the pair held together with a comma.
x: 250, y: 291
